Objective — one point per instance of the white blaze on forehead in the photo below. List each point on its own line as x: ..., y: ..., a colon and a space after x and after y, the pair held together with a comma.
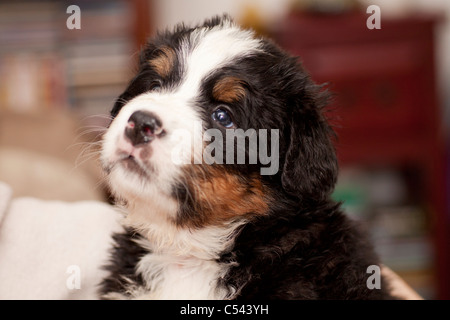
x: 207, y: 50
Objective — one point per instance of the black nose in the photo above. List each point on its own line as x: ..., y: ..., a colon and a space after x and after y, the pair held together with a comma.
x: 143, y: 127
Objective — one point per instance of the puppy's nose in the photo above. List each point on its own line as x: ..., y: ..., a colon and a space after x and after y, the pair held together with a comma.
x: 143, y: 127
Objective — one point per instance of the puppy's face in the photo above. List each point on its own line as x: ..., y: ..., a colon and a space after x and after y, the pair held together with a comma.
x: 194, y: 84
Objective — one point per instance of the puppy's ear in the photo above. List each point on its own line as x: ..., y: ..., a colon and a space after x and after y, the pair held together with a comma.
x: 310, y: 166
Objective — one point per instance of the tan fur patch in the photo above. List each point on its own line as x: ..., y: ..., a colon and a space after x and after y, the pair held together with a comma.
x: 221, y: 196
x: 164, y: 62
x: 229, y: 89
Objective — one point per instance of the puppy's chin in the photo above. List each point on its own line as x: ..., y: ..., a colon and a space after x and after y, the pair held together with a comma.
x: 141, y: 192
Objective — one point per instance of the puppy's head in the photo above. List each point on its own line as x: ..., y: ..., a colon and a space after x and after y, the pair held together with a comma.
x: 170, y: 146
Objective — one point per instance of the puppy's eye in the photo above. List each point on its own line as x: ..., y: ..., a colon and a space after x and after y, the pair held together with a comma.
x: 154, y: 85
x: 222, y: 117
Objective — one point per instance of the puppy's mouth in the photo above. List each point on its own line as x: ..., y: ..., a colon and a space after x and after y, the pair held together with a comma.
x: 131, y: 164
x: 135, y: 160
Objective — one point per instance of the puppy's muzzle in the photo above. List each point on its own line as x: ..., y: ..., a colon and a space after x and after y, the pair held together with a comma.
x: 143, y: 127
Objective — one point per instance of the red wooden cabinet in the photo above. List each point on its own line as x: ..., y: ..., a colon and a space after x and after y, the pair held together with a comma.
x: 384, y: 101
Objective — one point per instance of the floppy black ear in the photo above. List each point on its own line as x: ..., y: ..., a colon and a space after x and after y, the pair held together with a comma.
x: 310, y: 166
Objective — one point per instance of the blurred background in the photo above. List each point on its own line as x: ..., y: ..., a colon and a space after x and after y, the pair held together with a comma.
x: 391, y: 104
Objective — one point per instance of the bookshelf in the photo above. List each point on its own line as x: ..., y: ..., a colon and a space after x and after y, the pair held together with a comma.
x: 44, y: 66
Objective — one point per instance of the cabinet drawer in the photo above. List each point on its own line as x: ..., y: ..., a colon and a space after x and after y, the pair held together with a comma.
x: 362, y: 60
x: 375, y: 86
x: 394, y: 104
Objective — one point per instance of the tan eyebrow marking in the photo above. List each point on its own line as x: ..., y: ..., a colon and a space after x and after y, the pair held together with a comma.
x: 164, y: 61
x: 229, y: 89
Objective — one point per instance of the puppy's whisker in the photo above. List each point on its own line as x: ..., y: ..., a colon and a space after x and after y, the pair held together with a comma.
x: 122, y: 100
x: 96, y: 120
x: 91, y: 129
x: 88, y: 152
x: 101, y: 183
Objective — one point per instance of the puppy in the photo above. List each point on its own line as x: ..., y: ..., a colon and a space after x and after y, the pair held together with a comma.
x: 215, y: 215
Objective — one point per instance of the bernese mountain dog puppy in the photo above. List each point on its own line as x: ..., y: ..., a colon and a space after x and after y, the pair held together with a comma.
x: 208, y: 217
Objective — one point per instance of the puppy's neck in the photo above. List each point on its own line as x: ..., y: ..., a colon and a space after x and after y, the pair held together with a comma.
x: 161, y: 235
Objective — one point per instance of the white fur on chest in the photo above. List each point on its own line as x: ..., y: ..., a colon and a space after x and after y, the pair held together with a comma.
x: 183, y: 263
x: 180, y: 278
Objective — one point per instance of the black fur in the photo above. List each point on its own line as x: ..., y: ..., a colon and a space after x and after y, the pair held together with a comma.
x: 306, y: 254
x: 125, y: 254
x: 305, y: 247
